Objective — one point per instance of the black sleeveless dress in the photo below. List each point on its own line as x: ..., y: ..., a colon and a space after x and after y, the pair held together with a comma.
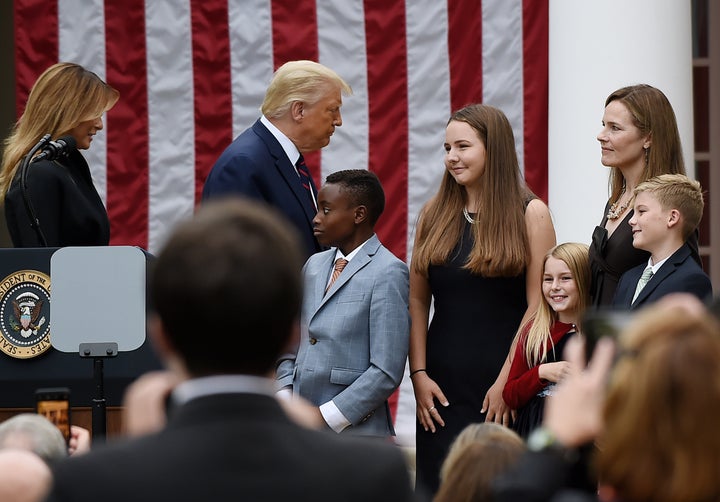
x: 468, y: 340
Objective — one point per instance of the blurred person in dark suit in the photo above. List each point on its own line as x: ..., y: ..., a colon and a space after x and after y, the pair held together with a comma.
x: 226, y: 290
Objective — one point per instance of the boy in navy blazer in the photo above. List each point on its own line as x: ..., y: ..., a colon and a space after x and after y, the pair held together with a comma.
x: 668, y: 208
x: 354, y: 322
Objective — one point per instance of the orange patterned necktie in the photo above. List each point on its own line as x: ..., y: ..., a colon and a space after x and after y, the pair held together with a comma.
x: 339, y: 266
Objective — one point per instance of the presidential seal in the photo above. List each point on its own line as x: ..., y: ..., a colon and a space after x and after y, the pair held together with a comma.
x: 25, y: 314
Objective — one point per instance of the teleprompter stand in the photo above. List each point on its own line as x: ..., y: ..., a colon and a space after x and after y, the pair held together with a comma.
x: 98, y: 352
x: 98, y: 310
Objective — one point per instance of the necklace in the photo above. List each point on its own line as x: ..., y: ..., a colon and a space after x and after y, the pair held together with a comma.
x: 467, y: 216
x: 614, y: 212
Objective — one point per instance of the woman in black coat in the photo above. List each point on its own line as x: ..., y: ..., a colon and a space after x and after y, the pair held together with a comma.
x: 58, y: 194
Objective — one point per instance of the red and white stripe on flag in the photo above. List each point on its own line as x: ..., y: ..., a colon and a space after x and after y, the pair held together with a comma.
x: 192, y: 74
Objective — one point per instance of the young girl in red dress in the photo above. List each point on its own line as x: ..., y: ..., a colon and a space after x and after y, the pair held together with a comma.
x: 537, y: 364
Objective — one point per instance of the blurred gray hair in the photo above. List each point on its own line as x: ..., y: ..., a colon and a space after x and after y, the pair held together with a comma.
x: 35, y: 433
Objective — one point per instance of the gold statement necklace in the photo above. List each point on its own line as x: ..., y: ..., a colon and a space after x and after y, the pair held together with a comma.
x: 614, y: 212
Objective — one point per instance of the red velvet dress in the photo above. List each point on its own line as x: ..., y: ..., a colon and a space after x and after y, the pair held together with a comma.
x: 525, y: 391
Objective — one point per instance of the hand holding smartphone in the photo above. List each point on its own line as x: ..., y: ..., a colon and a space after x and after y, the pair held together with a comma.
x: 54, y: 404
x: 597, y: 324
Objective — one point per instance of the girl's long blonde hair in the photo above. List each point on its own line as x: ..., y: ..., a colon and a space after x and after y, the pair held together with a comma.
x: 65, y: 95
x: 537, y: 327
x: 500, y: 246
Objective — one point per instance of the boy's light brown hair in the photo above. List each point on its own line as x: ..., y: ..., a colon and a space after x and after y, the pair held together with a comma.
x: 677, y: 191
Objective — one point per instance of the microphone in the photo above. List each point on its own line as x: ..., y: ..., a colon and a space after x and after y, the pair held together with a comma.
x: 54, y: 149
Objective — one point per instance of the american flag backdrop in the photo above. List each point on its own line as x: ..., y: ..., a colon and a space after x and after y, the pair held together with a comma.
x: 192, y: 75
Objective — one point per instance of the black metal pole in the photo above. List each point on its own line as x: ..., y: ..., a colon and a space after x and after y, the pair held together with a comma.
x: 99, y: 422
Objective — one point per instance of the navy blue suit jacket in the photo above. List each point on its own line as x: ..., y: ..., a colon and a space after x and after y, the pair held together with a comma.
x: 234, y: 447
x: 680, y: 273
x: 255, y: 165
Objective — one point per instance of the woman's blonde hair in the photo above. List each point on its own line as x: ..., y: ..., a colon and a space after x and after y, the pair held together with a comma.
x: 303, y: 80
x: 575, y: 256
x: 500, y: 246
x: 478, y: 433
x: 65, y: 95
x: 660, y: 439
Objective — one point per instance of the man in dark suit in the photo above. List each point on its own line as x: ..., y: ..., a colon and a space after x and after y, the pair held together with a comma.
x: 300, y: 112
x: 668, y: 209
x: 226, y: 290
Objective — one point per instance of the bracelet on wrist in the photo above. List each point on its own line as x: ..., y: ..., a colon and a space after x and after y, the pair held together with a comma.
x: 417, y: 371
x: 542, y: 439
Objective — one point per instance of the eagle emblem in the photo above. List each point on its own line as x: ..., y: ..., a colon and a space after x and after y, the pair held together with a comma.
x: 25, y: 314
x: 27, y: 308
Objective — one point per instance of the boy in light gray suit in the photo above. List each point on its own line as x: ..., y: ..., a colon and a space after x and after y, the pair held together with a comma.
x: 354, y: 325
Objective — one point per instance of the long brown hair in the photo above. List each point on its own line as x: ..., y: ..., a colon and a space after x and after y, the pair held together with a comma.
x: 660, y: 440
x: 65, y: 95
x: 652, y: 114
x: 500, y: 246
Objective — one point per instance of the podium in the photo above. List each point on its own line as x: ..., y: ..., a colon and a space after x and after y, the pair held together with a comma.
x: 91, y: 304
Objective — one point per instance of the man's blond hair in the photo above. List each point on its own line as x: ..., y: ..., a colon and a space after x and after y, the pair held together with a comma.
x: 303, y: 80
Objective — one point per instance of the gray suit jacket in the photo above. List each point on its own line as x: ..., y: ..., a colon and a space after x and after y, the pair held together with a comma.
x: 354, y: 339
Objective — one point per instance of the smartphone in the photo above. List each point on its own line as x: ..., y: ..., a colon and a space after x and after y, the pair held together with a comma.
x: 597, y: 324
x: 54, y: 404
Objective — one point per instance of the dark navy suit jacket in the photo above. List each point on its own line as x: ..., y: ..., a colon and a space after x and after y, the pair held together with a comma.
x: 234, y: 447
x: 255, y: 165
x: 680, y: 273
